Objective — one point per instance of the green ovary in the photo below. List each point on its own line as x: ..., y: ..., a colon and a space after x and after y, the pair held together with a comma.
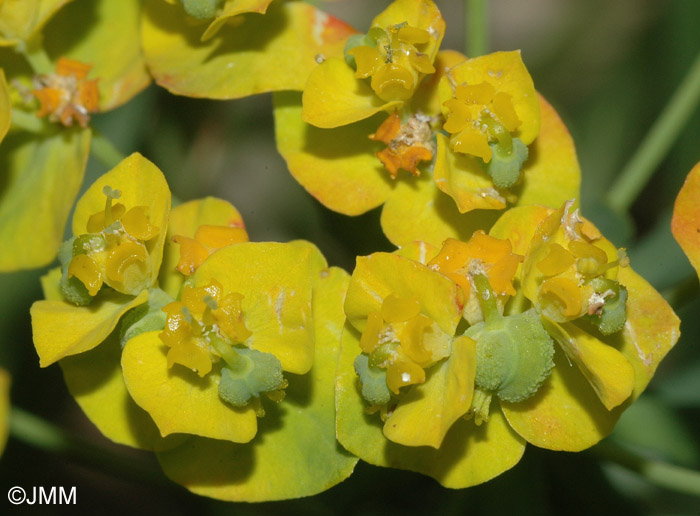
x: 514, y: 355
x: 254, y: 374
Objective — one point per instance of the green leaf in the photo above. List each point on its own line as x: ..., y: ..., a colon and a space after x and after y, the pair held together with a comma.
x: 41, y: 177
x: 651, y: 425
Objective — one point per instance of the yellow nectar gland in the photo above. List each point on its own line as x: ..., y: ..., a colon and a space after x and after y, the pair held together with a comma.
x: 482, y: 254
x: 567, y: 291
x: 401, y: 340
x: 207, y: 239
x: 478, y: 114
x: 396, y: 63
x: 113, y: 251
x: 407, y: 144
x: 67, y: 95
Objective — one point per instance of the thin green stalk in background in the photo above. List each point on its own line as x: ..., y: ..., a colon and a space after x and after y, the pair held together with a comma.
x: 659, y: 473
x: 476, y: 27
x: 657, y: 142
x: 105, y: 151
x: 35, y: 54
x: 41, y: 434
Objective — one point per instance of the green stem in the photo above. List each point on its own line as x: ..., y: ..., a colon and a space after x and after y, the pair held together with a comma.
x: 37, y: 57
x: 657, y: 142
x: 234, y: 361
x: 41, y: 434
x: 487, y: 298
x: 476, y: 24
x: 105, y: 151
x: 656, y: 472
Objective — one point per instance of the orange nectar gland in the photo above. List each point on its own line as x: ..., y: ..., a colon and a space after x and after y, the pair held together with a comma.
x: 401, y: 340
x: 207, y: 239
x: 67, y: 95
x: 569, y: 290
x: 113, y: 250
x: 393, y: 60
x: 477, y: 115
x: 482, y: 254
x: 207, y: 327
x: 407, y: 144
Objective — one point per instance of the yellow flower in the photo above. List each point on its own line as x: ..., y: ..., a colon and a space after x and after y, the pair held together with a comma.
x: 67, y: 95
x: 119, y: 246
x: 197, y: 229
x: 404, y: 316
x: 488, y: 103
x: 492, y: 115
x: 521, y: 387
x: 251, y: 322
x: 95, y: 378
x: 384, y: 68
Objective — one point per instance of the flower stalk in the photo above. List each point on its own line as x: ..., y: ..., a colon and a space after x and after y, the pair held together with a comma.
x: 476, y: 23
x: 657, y: 142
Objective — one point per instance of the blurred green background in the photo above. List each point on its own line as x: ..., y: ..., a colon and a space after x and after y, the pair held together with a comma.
x: 608, y: 67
